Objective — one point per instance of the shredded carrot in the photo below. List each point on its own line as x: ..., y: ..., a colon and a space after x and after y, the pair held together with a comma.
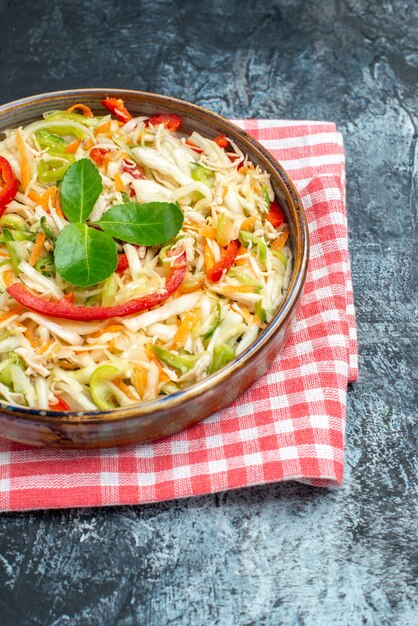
x: 37, y: 249
x: 57, y: 204
x: 103, y: 128
x: 110, y: 156
x: 73, y: 146
x: 227, y: 290
x: 248, y: 224
x: 88, y: 143
x: 44, y: 199
x: 119, y: 186
x: 241, y: 250
x: 152, y: 357
x: 209, y: 258
x: 44, y: 347
x: 139, y: 379
x: 189, y: 288
x: 6, y: 316
x: 249, y: 317
x: 280, y: 241
x: 123, y: 387
x: 86, y: 111
x: 16, y: 310
x: 32, y: 340
x: 25, y: 175
x: 207, y: 231
x: 6, y: 254
x: 8, y: 277
x: 185, y: 328
x: 33, y: 195
x: 112, y: 328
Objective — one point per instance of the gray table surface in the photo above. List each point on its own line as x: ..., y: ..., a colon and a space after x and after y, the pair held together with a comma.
x: 286, y: 553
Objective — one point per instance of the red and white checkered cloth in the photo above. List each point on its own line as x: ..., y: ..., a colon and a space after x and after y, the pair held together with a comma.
x: 289, y: 425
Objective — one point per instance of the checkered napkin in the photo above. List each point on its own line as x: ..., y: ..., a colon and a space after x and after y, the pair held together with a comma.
x: 288, y: 426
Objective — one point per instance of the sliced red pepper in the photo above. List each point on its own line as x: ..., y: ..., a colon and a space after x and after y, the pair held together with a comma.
x: 133, y: 169
x: 66, y: 310
x: 117, y: 107
x: 194, y: 147
x: 170, y: 120
x: 122, y: 263
x: 275, y: 215
x: 97, y: 155
x: 10, y: 184
x: 222, y: 141
x: 60, y: 405
x: 228, y: 255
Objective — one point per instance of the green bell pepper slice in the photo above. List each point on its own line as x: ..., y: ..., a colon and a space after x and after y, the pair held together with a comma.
x: 222, y: 355
x: 99, y: 389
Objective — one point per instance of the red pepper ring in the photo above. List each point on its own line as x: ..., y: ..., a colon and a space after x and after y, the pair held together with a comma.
x: 66, y: 310
x: 117, y: 107
x: 226, y: 262
x: 10, y: 184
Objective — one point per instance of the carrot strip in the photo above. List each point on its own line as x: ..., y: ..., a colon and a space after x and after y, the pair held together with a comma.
x: 33, y: 195
x: 16, y: 310
x: 280, y: 241
x: 103, y: 128
x: 207, y: 231
x: 86, y: 111
x: 123, y: 387
x: 209, y: 258
x: 73, y: 146
x: 44, y: 198
x: 44, y: 347
x: 112, y: 328
x: 119, y: 186
x: 25, y: 174
x: 248, y: 224
x: 8, y: 277
x: 32, y: 340
x: 139, y: 379
x: 57, y: 204
x: 37, y: 249
x: 88, y: 143
x: 230, y: 289
x: 185, y: 328
x: 189, y: 288
x: 241, y: 250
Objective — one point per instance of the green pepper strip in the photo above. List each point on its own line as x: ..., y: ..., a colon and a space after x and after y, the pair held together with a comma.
x: 75, y: 117
x: 46, y: 139
x: 182, y: 362
x: 14, y: 259
x: 215, y: 323
x: 48, y: 232
x: 222, y: 355
x: 203, y: 175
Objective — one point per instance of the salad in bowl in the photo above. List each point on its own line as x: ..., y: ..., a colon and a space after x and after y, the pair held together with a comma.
x: 135, y: 259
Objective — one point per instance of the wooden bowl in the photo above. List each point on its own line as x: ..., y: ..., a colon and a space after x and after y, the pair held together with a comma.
x: 170, y: 414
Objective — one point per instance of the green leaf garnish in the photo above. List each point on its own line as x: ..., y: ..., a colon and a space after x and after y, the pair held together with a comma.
x: 80, y: 189
x: 84, y: 256
x: 143, y: 224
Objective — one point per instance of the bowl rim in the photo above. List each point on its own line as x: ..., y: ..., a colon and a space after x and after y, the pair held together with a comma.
x: 281, y: 316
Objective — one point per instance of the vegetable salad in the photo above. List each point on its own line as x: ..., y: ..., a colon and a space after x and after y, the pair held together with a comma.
x: 135, y: 260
